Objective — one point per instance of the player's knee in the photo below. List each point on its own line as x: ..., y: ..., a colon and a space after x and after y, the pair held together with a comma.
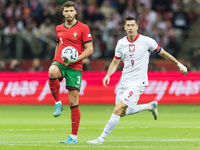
x: 73, y: 102
x: 73, y: 99
x: 118, y: 110
x: 123, y: 114
x: 54, y: 72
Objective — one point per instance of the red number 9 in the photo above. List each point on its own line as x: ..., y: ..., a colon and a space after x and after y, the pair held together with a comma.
x: 130, y: 94
x: 132, y: 62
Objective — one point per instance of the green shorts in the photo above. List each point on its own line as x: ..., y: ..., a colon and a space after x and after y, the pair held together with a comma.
x: 73, y: 77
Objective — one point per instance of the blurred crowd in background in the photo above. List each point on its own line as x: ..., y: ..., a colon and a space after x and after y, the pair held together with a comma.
x: 27, y: 28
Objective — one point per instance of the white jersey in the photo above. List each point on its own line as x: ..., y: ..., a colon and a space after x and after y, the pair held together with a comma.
x: 135, y: 56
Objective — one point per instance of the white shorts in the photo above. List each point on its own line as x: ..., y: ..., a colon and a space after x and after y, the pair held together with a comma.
x: 129, y: 95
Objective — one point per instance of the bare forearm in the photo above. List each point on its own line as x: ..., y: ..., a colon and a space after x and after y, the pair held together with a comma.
x: 113, y: 67
x: 169, y: 57
x: 85, y: 54
x: 56, y: 50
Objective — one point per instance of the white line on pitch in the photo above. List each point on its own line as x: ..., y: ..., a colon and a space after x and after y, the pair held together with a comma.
x: 83, y: 128
x: 159, y: 140
x: 91, y: 146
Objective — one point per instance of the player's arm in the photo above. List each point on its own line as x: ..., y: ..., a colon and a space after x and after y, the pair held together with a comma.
x: 88, y: 50
x: 56, y: 50
x: 169, y: 57
x: 111, y: 69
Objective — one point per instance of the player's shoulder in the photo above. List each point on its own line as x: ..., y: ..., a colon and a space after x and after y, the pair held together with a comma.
x: 144, y: 37
x: 82, y: 24
x: 60, y: 26
x: 122, y: 40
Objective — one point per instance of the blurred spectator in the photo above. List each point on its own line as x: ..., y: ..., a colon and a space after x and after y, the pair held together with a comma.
x: 168, y: 21
x: 2, y: 23
x: 97, y: 16
x: 173, y: 47
x: 105, y: 9
x: 14, y: 65
x: 99, y: 47
x: 121, y: 6
x: 188, y: 64
x: 180, y: 19
x: 161, y: 5
x: 36, y: 65
x: 30, y: 42
x: 10, y: 38
x: 153, y: 67
x: 150, y: 16
x: 196, y: 59
x: 129, y: 11
x: 86, y: 64
x: 10, y: 10
x: 47, y: 28
x: 46, y: 32
x: 192, y: 10
x: 36, y: 10
x: 2, y: 65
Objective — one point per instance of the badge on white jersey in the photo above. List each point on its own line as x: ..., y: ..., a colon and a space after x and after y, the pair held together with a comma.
x: 131, y: 47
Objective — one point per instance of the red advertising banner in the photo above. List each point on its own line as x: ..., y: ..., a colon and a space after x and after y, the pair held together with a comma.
x: 33, y: 88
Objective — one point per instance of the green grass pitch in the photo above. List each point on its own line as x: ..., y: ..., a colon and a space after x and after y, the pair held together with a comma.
x: 26, y: 127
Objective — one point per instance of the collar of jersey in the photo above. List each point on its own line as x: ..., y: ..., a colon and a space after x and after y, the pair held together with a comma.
x: 71, y: 26
x: 134, y: 39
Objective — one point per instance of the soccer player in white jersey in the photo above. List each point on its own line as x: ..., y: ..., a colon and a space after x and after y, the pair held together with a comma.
x: 134, y: 50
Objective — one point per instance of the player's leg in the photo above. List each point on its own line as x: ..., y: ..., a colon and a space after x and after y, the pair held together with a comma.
x: 134, y: 108
x: 75, y: 116
x: 152, y: 107
x: 73, y: 83
x: 54, y: 85
x: 113, y: 121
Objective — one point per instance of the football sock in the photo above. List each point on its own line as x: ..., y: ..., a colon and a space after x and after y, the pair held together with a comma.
x: 74, y: 137
x: 58, y: 102
x: 75, y: 119
x: 114, y: 119
x: 54, y: 86
x: 138, y: 108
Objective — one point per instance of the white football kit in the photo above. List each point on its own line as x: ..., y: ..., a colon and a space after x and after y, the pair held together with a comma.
x: 135, y: 56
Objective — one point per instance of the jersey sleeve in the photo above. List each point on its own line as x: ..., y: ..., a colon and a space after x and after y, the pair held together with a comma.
x: 87, y: 37
x: 153, y: 46
x: 118, y: 54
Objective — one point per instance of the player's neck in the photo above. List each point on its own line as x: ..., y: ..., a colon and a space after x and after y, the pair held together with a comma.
x: 70, y: 24
x: 132, y: 37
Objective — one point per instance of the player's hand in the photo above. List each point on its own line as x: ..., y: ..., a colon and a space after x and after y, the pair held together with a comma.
x: 182, y: 68
x: 106, y: 80
x: 66, y: 64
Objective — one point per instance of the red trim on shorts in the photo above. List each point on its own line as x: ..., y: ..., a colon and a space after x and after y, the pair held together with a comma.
x: 72, y: 88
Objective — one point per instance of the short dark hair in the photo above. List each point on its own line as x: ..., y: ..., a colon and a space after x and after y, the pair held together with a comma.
x: 69, y: 4
x: 130, y: 18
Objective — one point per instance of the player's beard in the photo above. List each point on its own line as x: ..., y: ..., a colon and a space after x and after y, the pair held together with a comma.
x: 69, y: 19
